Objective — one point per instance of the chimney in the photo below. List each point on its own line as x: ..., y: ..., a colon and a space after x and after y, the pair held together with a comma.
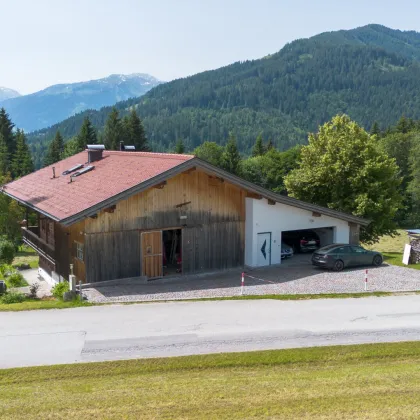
x: 95, y: 152
x: 122, y: 148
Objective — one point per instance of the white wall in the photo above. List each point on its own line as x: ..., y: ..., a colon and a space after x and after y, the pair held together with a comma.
x: 262, y: 217
x: 52, y: 279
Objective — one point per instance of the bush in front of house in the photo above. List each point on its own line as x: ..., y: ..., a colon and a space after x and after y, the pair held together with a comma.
x: 7, y: 251
x: 16, y: 280
x: 6, y: 270
x: 12, y: 297
x: 60, y: 288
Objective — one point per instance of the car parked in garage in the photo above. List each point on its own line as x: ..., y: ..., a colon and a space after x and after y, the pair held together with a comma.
x: 338, y: 256
x: 301, y: 240
x: 286, y: 251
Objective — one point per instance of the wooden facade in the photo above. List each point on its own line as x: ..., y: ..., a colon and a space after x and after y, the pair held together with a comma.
x: 125, y: 240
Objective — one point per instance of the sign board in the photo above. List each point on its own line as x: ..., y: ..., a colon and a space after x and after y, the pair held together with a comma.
x: 406, y: 256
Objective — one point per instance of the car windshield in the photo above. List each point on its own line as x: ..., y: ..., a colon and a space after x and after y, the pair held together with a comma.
x: 328, y: 248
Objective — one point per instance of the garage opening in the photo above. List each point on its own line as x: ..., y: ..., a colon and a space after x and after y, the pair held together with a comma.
x: 172, y: 251
x: 307, y: 240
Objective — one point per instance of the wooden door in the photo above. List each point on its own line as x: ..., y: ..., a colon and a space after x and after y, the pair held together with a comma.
x: 151, y: 250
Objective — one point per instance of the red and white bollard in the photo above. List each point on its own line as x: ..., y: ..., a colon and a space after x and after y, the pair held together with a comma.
x: 366, y: 280
x: 242, y: 283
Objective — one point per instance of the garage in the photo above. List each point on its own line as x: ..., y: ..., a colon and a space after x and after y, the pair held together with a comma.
x: 302, y: 226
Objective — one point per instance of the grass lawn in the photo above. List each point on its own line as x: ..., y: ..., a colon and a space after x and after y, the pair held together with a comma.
x: 393, y: 248
x: 37, y: 304
x: 26, y: 255
x: 368, y: 381
x: 34, y: 304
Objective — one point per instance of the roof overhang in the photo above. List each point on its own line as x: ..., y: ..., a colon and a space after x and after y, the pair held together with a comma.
x: 30, y: 205
x: 207, y: 167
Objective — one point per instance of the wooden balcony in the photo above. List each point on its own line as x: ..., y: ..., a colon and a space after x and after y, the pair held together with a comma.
x: 31, y: 237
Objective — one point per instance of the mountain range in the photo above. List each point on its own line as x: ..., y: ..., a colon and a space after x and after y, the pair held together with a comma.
x: 6, y: 93
x: 55, y: 103
x: 371, y: 73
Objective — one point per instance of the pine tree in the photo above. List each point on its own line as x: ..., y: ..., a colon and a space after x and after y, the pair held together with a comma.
x: 375, y: 130
x: 6, y: 129
x: 258, y: 149
x: 22, y: 160
x: 270, y: 145
x: 4, y: 157
x: 134, y: 133
x: 231, y: 159
x: 87, y: 135
x: 179, y: 147
x: 55, y: 150
x: 403, y: 125
x: 114, y: 131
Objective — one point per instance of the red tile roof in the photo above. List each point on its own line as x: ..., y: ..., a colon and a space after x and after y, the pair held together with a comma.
x: 115, y: 173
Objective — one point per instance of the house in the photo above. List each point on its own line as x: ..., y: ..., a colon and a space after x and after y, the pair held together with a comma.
x: 117, y: 214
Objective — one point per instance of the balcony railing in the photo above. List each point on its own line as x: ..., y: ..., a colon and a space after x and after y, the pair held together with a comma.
x: 31, y: 237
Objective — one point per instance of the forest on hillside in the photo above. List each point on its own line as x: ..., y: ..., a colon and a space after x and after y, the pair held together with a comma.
x: 370, y: 74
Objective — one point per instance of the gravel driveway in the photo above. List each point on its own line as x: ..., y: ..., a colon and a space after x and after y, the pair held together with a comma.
x: 296, y: 276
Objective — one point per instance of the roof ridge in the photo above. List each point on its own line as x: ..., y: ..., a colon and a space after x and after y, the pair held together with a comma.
x: 151, y: 154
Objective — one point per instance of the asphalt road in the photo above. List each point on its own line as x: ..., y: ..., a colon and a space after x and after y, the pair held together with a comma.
x: 184, y: 328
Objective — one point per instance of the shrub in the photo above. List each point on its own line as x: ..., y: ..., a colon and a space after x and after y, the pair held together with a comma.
x: 12, y: 297
x: 33, y: 290
x: 7, y: 251
x: 16, y: 280
x: 6, y: 270
x: 60, y: 288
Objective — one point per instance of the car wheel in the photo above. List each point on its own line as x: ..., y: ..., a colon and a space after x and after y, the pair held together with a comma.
x: 338, y: 265
x: 377, y: 260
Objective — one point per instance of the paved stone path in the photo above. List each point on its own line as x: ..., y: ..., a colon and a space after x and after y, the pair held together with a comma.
x: 292, y: 278
x: 31, y: 276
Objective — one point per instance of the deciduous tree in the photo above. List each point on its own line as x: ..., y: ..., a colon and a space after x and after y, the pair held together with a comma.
x: 343, y: 168
x: 210, y: 152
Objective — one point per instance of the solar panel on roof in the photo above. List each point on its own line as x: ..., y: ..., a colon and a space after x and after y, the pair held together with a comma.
x: 74, y: 168
x: 83, y: 171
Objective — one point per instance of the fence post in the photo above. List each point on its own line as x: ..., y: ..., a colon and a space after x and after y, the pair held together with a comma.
x: 242, y: 283
x: 72, y: 281
x: 366, y: 280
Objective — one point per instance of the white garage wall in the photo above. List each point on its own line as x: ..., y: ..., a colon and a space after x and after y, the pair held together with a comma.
x: 262, y: 217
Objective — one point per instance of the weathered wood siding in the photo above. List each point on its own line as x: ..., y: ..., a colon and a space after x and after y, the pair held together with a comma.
x: 112, y: 255
x: 213, y: 223
x: 62, y: 250
x: 65, y: 250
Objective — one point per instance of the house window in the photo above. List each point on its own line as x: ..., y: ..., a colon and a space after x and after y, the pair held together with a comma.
x: 79, y: 251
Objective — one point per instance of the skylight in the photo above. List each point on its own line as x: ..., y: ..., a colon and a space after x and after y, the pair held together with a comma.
x: 74, y: 168
x: 83, y: 171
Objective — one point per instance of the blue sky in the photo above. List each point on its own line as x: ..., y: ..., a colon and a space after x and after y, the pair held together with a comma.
x: 58, y: 41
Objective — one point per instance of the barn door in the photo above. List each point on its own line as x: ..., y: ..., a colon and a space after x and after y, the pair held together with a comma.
x: 151, y: 250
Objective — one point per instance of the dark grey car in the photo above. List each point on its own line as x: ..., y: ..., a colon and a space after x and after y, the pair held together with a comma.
x: 339, y: 256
